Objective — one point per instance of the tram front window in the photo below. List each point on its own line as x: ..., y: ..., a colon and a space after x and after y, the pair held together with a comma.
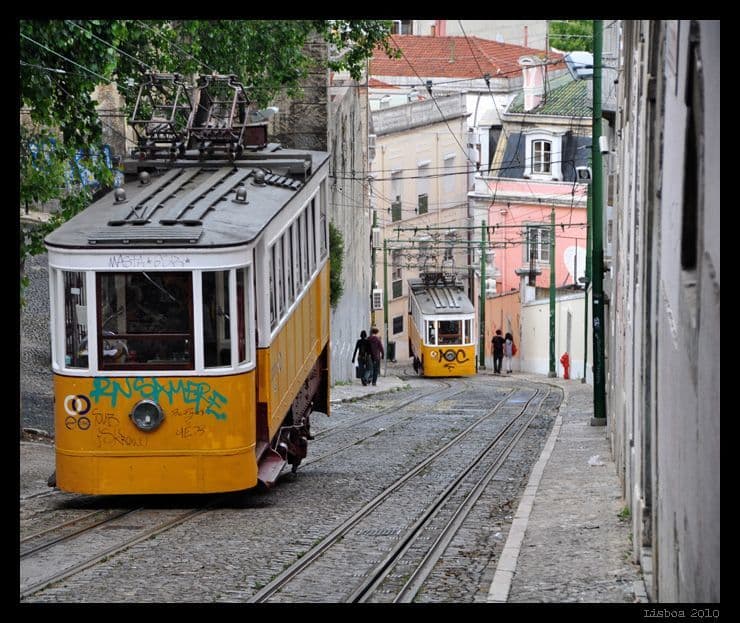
x: 145, y: 320
x: 450, y: 332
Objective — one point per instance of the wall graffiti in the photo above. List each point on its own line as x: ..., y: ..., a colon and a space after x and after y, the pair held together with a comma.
x: 199, y: 394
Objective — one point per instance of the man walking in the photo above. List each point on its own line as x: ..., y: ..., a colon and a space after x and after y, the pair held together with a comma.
x: 376, y: 352
x: 498, y: 351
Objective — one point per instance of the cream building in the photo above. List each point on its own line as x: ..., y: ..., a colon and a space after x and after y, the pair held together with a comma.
x: 418, y: 189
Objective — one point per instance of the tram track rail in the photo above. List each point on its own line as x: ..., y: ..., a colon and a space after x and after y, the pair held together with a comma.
x: 32, y: 559
x: 451, y: 524
x: 339, y: 532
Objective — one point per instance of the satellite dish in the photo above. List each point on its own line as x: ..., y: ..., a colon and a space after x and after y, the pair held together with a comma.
x: 575, y: 261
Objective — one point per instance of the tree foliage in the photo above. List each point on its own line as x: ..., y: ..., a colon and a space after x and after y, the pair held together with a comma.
x: 336, y: 261
x: 62, y: 61
x: 572, y: 35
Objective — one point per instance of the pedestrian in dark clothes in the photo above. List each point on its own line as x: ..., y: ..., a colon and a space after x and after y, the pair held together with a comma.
x: 498, y: 351
x: 376, y: 352
x: 364, y: 362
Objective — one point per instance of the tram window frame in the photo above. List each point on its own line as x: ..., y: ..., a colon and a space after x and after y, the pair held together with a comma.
x: 296, y: 255
x: 244, y: 307
x: 312, y: 236
x: 468, y: 331
x: 123, y: 347
x: 303, y: 227
x: 279, y: 277
x: 288, y: 258
x: 216, y: 301
x: 431, y: 332
x: 450, y: 332
x: 323, y: 225
x: 272, y: 293
x: 75, y: 327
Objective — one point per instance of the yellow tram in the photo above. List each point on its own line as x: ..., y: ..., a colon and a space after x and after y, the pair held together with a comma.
x: 442, y: 324
x: 190, y: 324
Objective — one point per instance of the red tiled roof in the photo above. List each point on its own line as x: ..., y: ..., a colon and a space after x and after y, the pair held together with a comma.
x: 453, y: 57
x: 379, y: 84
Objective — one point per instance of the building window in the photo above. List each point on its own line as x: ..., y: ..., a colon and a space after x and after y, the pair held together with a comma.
x: 396, y: 191
x: 449, y: 175
x: 543, y: 153
x: 397, y: 274
x: 541, y: 161
x: 397, y: 325
x: 396, y: 211
x: 422, y: 187
x: 538, y: 244
x: 423, y: 204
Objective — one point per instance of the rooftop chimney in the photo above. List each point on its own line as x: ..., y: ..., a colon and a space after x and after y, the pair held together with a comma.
x: 533, y: 81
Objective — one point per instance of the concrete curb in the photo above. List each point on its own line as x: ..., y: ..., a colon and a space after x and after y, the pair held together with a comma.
x: 501, y: 584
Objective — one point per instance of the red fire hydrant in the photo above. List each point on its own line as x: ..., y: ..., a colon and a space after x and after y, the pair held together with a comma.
x: 565, y: 360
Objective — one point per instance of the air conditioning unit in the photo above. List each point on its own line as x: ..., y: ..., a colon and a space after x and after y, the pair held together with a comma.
x: 377, y: 298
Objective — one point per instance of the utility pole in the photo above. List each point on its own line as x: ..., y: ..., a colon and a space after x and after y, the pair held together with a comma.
x: 587, y: 278
x: 385, y: 298
x: 552, y: 372
x: 482, y: 315
x: 372, y: 280
x: 597, y: 275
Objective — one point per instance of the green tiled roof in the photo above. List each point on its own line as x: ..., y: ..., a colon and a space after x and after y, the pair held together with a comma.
x: 569, y: 99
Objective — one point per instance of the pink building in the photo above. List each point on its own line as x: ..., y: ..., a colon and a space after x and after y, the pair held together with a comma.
x: 520, y: 229
x: 546, y: 136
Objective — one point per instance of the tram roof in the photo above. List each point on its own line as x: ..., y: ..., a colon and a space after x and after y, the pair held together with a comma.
x: 440, y: 299
x: 193, y: 203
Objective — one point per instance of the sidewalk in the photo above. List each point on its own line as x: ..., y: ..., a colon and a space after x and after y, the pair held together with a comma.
x: 568, y: 542
x: 355, y: 389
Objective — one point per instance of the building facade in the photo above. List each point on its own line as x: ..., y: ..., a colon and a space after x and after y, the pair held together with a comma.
x: 418, y: 191
x: 663, y: 355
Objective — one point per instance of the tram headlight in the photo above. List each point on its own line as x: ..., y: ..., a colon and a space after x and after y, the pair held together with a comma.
x: 147, y: 415
x: 450, y: 355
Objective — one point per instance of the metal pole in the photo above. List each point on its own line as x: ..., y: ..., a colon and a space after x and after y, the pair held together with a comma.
x: 552, y: 372
x: 587, y: 278
x: 599, y: 418
x: 385, y: 299
x: 372, y: 280
x: 482, y: 314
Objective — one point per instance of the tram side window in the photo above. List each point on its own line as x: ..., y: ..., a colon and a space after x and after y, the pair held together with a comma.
x: 145, y: 319
x: 468, y: 337
x: 288, y: 254
x: 312, y: 236
x: 324, y: 230
x: 432, y: 332
x: 279, y: 285
x: 304, y: 247
x: 271, y: 274
x: 216, y: 338
x: 75, y: 320
x: 243, y: 310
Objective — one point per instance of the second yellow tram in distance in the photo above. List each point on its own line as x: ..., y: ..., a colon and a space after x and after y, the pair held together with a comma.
x: 442, y: 323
